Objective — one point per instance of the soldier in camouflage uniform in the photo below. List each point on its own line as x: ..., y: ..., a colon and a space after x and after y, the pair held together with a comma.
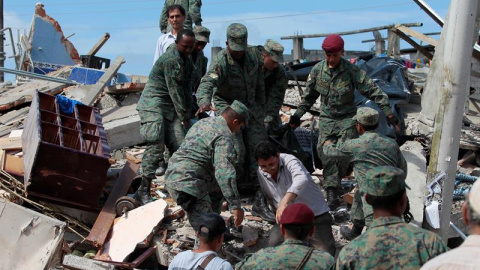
x: 192, y: 8
x: 275, y: 81
x: 334, y: 80
x: 389, y: 243
x: 368, y: 151
x: 202, y: 37
x: 165, y: 107
x: 201, y: 173
x: 236, y: 74
x: 295, y: 253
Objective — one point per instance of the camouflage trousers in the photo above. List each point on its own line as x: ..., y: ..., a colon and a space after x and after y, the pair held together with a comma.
x: 337, y: 130
x: 196, y: 207
x: 158, y: 131
x: 361, y: 210
x: 245, y: 142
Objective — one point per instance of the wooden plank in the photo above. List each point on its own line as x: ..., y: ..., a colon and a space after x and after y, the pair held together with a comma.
x: 11, y: 143
x: 354, y: 31
x: 13, y: 115
x: 105, y: 219
x: 99, y: 44
x: 96, y: 89
x: 418, y: 35
x: 413, y: 43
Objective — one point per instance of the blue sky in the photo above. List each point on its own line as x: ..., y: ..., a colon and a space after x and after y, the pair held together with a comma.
x: 133, y: 24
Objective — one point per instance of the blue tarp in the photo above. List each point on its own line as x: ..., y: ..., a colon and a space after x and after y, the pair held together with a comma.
x: 66, y: 105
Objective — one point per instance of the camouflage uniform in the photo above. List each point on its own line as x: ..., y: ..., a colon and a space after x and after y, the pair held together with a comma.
x: 164, y: 104
x: 389, y: 243
x: 192, y: 12
x: 200, y: 61
x: 275, y: 83
x: 369, y: 151
x: 228, y: 80
x: 336, y: 88
x: 201, y: 172
x: 287, y: 256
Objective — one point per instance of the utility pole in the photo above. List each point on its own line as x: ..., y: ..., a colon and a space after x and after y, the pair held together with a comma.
x: 456, y: 70
x: 2, y: 51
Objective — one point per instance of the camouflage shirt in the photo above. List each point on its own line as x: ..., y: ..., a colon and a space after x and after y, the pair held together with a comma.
x: 204, y: 161
x: 275, y: 87
x: 391, y: 243
x: 169, y: 87
x: 200, y: 63
x: 287, y: 256
x: 368, y: 151
x: 192, y: 10
x: 228, y: 80
x: 336, y: 88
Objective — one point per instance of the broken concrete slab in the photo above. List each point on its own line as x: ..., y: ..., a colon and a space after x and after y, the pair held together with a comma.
x: 416, y: 177
x: 249, y: 235
x: 125, y: 88
x: 128, y: 231
x: 107, y: 102
x: 80, y: 263
x: 30, y: 240
x: 122, y: 126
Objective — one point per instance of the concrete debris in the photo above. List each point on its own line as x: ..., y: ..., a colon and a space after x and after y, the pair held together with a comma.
x: 249, y: 236
x: 80, y: 263
x: 30, y: 240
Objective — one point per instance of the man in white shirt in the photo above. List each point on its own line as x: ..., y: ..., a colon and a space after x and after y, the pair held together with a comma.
x: 210, y: 235
x: 284, y: 180
x: 176, y: 18
x: 467, y: 255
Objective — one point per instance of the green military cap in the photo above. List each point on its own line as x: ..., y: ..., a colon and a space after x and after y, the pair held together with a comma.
x: 366, y: 116
x: 202, y: 34
x: 237, y: 37
x: 384, y: 181
x: 241, y: 109
x: 275, y: 50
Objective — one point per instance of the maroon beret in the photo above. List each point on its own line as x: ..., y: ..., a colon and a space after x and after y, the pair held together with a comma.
x: 333, y: 44
x: 297, y: 213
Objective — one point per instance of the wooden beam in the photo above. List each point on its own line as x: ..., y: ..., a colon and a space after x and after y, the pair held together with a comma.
x: 413, y: 43
x: 354, y: 31
x: 99, y: 44
x: 415, y: 34
x: 95, y: 90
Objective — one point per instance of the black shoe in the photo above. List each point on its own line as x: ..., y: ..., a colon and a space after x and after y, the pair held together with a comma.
x: 260, y: 208
x: 142, y: 196
x: 162, y: 167
x: 332, y: 198
x: 350, y: 234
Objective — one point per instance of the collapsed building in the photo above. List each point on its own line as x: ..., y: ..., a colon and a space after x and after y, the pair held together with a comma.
x: 67, y: 170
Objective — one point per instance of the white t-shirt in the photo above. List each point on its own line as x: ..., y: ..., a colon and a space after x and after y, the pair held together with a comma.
x: 162, y: 44
x: 190, y: 260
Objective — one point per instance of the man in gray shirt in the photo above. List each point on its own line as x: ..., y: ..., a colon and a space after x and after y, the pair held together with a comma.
x: 284, y: 180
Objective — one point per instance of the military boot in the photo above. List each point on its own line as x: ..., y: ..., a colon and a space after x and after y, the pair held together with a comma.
x: 332, y: 198
x: 162, y: 167
x: 142, y: 195
x: 355, y: 231
x: 260, y: 208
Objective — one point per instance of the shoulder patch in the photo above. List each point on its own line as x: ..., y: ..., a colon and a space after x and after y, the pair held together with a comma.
x: 213, y: 76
